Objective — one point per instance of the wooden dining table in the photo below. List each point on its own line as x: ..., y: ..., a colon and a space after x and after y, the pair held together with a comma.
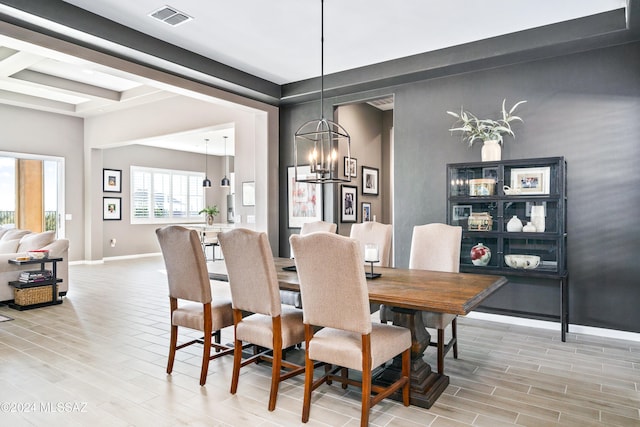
x: 408, y: 292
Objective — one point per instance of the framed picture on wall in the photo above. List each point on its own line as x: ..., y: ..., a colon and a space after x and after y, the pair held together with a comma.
x: 304, y: 200
x: 369, y: 180
x: 349, y: 203
x: 366, y: 211
x: 111, y: 180
x: 350, y: 167
x: 112, y: 208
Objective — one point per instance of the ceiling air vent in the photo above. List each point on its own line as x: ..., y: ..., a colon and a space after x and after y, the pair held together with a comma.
x: 170, y: 15
x: 383, y: 104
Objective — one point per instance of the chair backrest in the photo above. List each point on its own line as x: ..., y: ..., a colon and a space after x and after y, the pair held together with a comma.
x: 436, y: 247
x: 332, y: 282
x: 312, y: 227
x: 374, y: 232
x: 184, y: 260
x: 252, y: 273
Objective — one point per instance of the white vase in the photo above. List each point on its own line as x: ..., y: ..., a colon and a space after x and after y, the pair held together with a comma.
x: 537, y: 218
x: 514, y: 224
x: 529, y: 228
x: 491, y: 151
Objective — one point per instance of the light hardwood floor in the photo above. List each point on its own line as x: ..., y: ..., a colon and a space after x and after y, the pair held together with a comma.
x: 99, y: 360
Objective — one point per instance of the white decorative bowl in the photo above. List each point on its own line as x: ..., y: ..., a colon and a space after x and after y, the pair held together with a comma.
x: 39, y: 254
x: 526, y: 262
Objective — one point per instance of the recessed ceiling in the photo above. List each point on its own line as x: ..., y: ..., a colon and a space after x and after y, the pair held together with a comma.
x: 280, y: 40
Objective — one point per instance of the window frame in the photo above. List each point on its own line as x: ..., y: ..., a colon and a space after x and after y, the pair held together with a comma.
x: 170, y: 218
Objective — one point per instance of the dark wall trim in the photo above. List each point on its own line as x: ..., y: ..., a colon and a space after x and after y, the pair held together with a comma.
x: 602, y: 30
x: 227, y: 78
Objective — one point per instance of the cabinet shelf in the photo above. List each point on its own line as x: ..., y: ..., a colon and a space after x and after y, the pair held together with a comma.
x: 538, y: 182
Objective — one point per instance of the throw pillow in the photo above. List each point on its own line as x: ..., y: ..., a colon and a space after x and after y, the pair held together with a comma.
x: 15, y: 233
x: 9, y: 246
x: 35, y: 241
x: 3, y: 230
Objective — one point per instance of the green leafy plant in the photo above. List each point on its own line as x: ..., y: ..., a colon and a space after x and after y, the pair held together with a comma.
x: 210, y: 210
x: 473, y: 128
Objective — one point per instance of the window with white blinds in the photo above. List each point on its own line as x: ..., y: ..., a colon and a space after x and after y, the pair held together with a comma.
x: 165, y: 195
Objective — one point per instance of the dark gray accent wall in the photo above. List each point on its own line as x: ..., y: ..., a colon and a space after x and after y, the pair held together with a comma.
x: 583, y: 106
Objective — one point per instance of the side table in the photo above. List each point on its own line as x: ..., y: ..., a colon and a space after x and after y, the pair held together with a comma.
x: 34, y: 287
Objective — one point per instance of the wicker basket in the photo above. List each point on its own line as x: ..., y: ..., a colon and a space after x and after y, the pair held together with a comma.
x: 35, y: 295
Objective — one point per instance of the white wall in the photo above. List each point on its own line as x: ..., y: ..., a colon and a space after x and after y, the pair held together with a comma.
x: 35, y: 132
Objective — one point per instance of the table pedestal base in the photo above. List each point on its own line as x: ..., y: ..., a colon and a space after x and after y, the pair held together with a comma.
x: 426, y: 385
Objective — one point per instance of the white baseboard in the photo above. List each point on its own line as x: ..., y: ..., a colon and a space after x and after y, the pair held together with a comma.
x: 118, y: 258
x: 113, y: 258
x: 555, y: 326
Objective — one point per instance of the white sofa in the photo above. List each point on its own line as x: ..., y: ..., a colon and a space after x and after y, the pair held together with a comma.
x: 16, y: 242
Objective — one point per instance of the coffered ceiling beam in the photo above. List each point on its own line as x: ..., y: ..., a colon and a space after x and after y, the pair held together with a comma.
x: 69, y: 86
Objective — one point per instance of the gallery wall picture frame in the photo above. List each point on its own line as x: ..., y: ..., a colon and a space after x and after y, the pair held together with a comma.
x: 304, y: 200
x: 111, y: 180
x: 366, y: 211
x: 112, y: 208
x: 350, y: 167
x: 531, y: 180
x: 348, y: 203
x: 249, y: 193
x: 370, y: 180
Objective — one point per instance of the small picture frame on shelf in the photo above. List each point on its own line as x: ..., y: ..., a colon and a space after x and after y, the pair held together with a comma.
x: 111, y: 180
x: 531, y: 180
x: 350, y: 167
x: 461, y: 212
x: 349, y: 203
x: 112, y: 208
x: 491, y: 173
x: 369, y: 180
x: 366, y: 211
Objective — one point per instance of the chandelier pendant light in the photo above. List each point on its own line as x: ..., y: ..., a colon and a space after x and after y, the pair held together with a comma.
x: 320, y: 143
x: 225, y: 181
x: 206, y: 183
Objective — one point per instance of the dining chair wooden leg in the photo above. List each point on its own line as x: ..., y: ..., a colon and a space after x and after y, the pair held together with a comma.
x: 173, y: 306
x: 406, y: 372
x: 308, y: 375
x: 237, y: 361
x: 454, y: 334
x: 327, y: 369
x: 366, y: 380
x: 344, y: 372
x: 172, y: 348
x: 206, y: 355
x: 237, y: 352
x: 276, y: 368
x: 206, y: 350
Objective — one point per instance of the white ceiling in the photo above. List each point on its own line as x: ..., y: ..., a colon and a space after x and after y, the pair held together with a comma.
x: 278, y: 40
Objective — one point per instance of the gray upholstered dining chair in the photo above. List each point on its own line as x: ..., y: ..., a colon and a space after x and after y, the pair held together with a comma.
x: 377, y: 233
x: 436, y: 247
x: 312, y: 227
x: 337, y: 322
x: 190, y: 298
x: 254, y: 294
x: 293, y: 297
